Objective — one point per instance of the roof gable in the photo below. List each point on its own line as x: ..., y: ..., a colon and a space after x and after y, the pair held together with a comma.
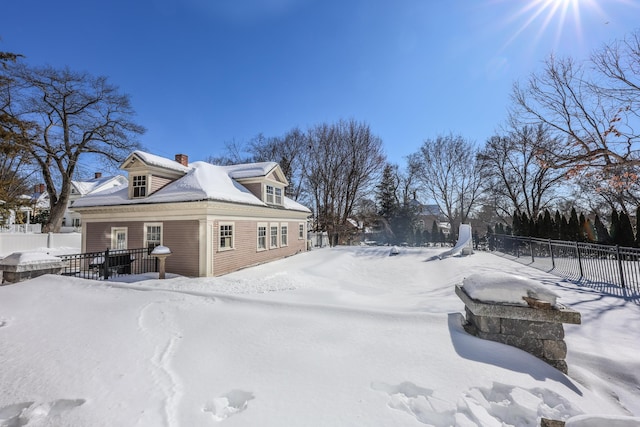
x: 141, y: 159
x: 261, y: 170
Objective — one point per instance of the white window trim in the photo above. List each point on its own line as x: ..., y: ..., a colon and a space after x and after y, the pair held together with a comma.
x: 301, y: 231
x: 114, y: 241
x: 233, y: 236
x: 277, y: 196
x: 271, y: 226
x: 144, y: 232
x: 284, y: 224
x: 267, y: 195
x: 146, y: 186
x: 266, y: 236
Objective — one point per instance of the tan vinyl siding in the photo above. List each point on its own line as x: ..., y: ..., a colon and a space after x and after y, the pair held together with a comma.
x: 157, y: 182
x: 245, y: 252
x: 255, y: 189
x: 179, y: 236
x: 99, y: 235
x: 182, y: 238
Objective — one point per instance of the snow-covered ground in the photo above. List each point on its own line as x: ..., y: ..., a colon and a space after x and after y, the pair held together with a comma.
x: 332, y: 337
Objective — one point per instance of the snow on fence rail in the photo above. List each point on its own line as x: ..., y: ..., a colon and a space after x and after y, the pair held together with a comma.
x: 615, y: 265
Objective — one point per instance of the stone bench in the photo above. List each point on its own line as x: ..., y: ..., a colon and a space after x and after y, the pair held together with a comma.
x: 536, y: 327
x: 20, y: 266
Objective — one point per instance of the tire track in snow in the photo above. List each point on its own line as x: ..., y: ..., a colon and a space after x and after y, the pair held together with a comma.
x: 163, y: 333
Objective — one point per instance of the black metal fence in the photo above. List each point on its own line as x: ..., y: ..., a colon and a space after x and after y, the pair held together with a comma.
x: 110, y: 263
x: 614, y: 265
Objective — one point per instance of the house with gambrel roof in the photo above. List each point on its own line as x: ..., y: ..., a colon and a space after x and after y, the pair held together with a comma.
x: 215, y: 219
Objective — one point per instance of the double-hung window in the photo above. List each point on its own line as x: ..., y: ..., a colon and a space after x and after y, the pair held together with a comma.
x: 152, y: 235
x: 262, y: 236
x: 278, y: 196
x: 274, y: 236
x: 269, y: 191
x: 301, y: 231
x: 226, y: 236
x: 139, y: 186
x: 284, y: 234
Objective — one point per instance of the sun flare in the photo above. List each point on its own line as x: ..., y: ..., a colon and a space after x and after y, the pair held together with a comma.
x: 561, y: 14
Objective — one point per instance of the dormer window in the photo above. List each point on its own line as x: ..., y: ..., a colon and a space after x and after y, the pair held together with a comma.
x: 273, y: 195
x: 139, y: 185
x: 269, y: 194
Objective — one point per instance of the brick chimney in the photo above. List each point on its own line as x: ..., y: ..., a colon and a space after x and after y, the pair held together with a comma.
x: 39, y: 188
x: 97, y: 175
x: 183, y: 159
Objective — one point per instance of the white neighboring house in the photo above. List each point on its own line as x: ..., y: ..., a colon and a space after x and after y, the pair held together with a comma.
x: 80, y: 189
x: 71, y: 220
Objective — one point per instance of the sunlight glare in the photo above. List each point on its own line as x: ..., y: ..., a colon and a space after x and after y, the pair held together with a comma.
x: 560, y: 12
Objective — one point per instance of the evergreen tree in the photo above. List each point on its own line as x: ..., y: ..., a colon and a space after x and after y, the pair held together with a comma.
x: 625, y: 232
x: 573, y: 232
x: 524, y: 226
x: 557, y: 222
x: 516, y: 222
x: 564, y: 228
x: 538, y: 227
x: 435, y: 232
x: 547, y: 225
x: 386, y: 193
x: 614, y: 227
x: 602, y: 234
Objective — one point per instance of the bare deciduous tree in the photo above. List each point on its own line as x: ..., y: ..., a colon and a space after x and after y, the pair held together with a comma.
x: 518, y: 180
x: 73, y: 115
x: 593, y: 105
x: 451, y: 176
x: 344, y: 161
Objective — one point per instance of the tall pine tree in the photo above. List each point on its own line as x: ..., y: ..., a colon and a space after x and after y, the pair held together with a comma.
x: 574, y: 226
x: 614, y: 227
x: 625, y: 232
x: 602, y: 234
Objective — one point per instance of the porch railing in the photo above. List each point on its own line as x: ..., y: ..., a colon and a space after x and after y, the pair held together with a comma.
x: 614, y: 265
x: 110, y: 263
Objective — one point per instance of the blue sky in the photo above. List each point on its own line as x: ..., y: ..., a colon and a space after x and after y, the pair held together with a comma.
x: 204, y: 72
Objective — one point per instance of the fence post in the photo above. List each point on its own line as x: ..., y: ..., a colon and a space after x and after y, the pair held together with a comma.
x: 579, y: 260
x: 620, y: 266
x: 106, y: 264
x: 553, y: 261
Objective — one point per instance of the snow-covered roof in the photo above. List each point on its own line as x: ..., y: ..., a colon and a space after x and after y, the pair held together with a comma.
x: 250, y: 170
x: 85, y: 187
x: 203, y: 181
x: 154, y: 160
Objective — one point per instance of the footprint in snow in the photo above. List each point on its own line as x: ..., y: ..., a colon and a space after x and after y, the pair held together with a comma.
x: 228, y: 404
x: 418, y: 402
